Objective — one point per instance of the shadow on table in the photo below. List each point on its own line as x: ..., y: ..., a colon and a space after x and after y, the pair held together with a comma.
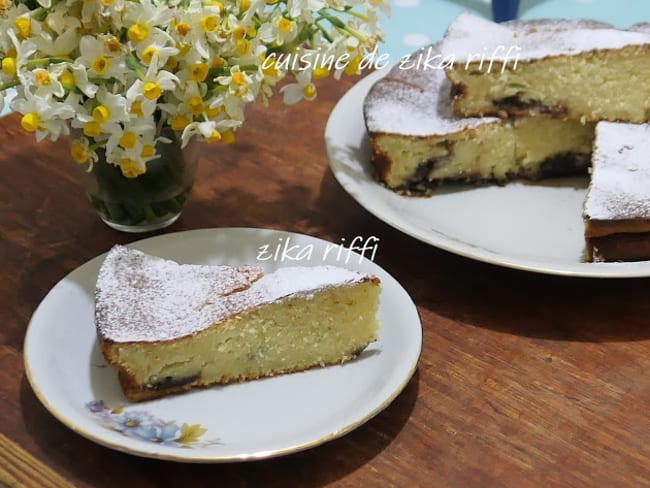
x: 77, y: 458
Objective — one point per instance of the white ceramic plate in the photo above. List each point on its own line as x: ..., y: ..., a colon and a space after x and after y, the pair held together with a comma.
x: 528, y: 226
x: 238, y: 422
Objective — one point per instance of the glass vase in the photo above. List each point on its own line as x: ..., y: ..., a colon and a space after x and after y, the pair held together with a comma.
x: 150, y: 201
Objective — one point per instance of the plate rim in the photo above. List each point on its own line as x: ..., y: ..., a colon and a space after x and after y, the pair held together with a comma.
x: 194, y: 456
x: 355, y: 95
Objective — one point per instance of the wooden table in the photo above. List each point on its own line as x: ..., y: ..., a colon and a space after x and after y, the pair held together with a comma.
x: 525, y: 380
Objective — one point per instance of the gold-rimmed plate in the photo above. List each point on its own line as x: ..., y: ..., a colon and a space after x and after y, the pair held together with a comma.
x: 530, y: 226
x: 238, y: 422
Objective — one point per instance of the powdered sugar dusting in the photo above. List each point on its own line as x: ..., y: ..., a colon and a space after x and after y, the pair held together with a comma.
x: 469, y: 35
x: 414, y: 99
x: 141, y: 298
x: 620, y: 180
x: 415, y: 102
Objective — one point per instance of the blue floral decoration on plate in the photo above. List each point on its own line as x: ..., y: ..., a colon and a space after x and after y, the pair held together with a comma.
x: 142, y: 425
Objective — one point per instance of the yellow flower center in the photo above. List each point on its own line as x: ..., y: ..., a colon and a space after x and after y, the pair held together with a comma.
x: 107, y: 2
x: 244, y: 5
x: 147, y: 151
x: 309, y: 90
x: 238, y: 78
x: 78, y: 153
x: 228, y: 137
x: 183, y: 48
x: 42, y: 78
x: 252, y: 31
x: 238, y: 32
x: 128, y: 140
x: 209, y: 23
x: 285, y: 25
x: 243, y: 47
x: 130, y: 169
x: 30, y: 121
x: 353, y: 66
x: 211, y: 113
x: 218, y: 62
x: 23, y: 27
x: 9, y: 66
x: 100, y: 65
x: 113, y: 44
x: 199, y: 72
x: 138, y: 32
x: 268, y: 66
x: 92, y: 129
x: 151, y: 90
x: 179, y: 122
x: 101, y: 114
x: 320, y: 72
x: 171, y: 64
x: 195, y: 105
x: 67, y: 80
x: 136, y: 108
x: 149, y: 53
x: 214, y: 137
x: 183, y: 28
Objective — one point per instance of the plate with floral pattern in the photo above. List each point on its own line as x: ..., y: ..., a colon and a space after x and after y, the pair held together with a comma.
x: 244, y: 421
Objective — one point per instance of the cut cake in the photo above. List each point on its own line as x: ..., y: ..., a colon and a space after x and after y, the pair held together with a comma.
x: 578, y: 73
x: 168, y: 327
x: 417, y: 141
x: 617, y: 207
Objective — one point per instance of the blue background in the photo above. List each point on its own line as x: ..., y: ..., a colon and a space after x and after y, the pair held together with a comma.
x: 414, y: 23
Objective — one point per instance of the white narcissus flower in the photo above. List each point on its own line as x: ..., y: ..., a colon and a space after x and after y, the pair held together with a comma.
x: 303, y: 89
x: 304, y: 8
x: 80, y: 80
x: 100, y: 61
x: 210, y: 130
x: 131, y: 136
x: 153, y: 84
x: 61, y: 37
x: 102, y: 117
x: 279, y: 30
x: 160, y: 45
x: 42, y: 116
x: 46, y: 83
x: 197, y: 26
x: 142, y: 18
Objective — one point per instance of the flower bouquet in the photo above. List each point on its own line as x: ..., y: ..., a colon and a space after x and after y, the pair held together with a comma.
x: 134, y: 82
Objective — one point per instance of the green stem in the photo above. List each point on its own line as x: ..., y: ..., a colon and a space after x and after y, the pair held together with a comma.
x: 8, y: 85
x: 48, y: 60
x: 354, y: 13
x: 133, y: 63
x: 323, y: 30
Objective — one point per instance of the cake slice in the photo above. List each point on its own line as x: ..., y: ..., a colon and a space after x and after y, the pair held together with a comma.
x: 587, y: 74
x: 617, y: 206
x: 169, y: 327
x: 417, y: 141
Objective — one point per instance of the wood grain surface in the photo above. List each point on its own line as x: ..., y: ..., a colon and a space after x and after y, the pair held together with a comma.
x: 524, y: 380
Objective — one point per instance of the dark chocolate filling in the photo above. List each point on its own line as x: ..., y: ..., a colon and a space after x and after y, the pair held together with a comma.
x: 565, y: 164
x: 516, y: 105
x: 562, y: 164
x: 171, y: 382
